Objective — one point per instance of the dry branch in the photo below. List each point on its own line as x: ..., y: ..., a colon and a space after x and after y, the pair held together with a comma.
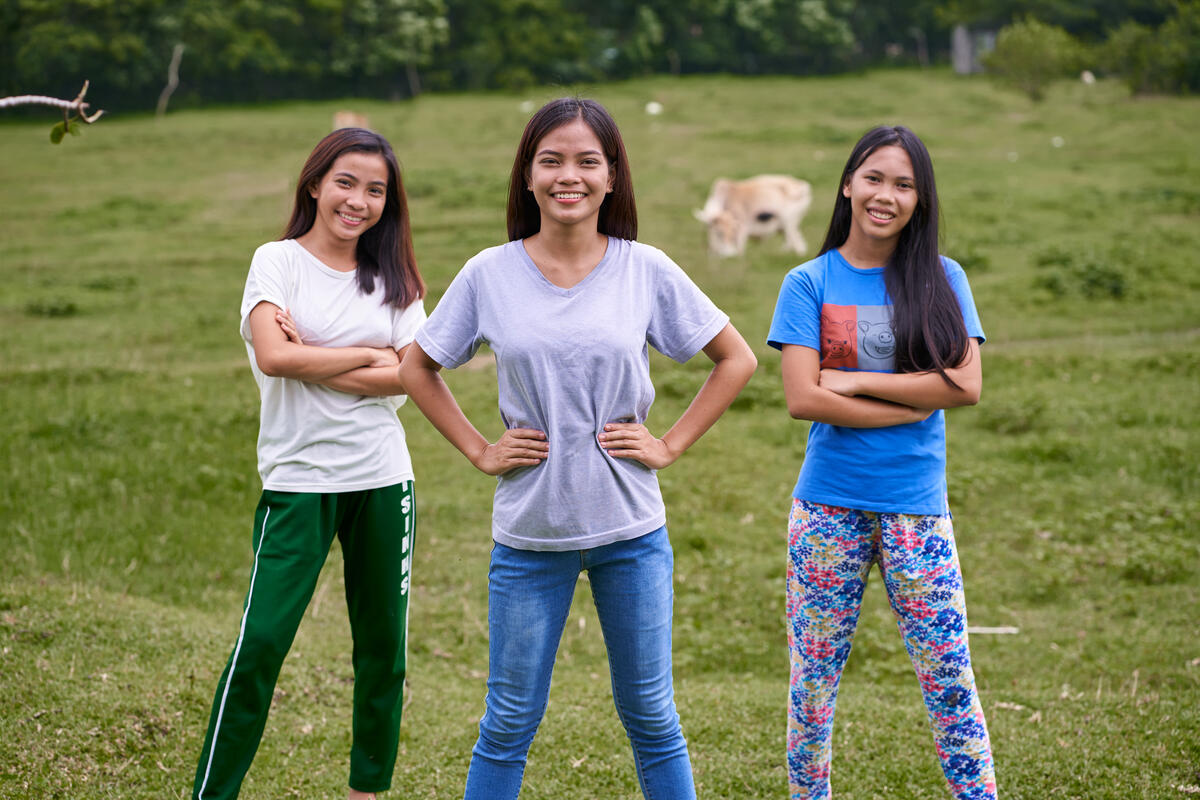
x: 77, y: 105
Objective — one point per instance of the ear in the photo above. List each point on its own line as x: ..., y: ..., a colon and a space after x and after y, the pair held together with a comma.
x: 846, y: 190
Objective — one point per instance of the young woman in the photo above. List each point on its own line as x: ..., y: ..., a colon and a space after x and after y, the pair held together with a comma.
x: 568, y: 306
x: 327, y: 314
x: 878, y: 335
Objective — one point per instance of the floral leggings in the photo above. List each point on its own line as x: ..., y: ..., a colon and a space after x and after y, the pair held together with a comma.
x: 831, y: 551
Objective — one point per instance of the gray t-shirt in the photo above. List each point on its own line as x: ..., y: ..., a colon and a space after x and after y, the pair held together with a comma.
x: 568, y: 361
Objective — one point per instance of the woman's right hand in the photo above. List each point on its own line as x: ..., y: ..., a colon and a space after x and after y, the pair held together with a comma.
x: 518, y: 447
x: 383, y: 357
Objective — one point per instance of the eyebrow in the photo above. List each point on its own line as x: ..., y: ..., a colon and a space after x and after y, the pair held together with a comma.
x: 344, y: 174
x: 547, y: 151
x: 909, y: 178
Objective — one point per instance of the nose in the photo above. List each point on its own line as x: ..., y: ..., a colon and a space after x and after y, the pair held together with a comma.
x: 568, y: 174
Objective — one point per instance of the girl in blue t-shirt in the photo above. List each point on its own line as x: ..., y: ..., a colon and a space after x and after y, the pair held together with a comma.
x: 878, y: 334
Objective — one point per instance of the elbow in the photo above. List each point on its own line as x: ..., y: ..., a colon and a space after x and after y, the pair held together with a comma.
x: 803, y: 401
x: 749, y: 364
x: 268, y: 365
x: 964, y: 396
x: 406, y: 374
x: 799, y: 409
x: 412, y: 376
x: 970, y: 392
x: 800, y: 412
x: 402, y: 378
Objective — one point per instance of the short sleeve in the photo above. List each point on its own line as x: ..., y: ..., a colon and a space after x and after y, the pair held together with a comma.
x: 966, y: 301
x: 267, y: 282
x: 451, y: 334
x: 406, y: 322
x: 797, y: 318
x: 682, y: 319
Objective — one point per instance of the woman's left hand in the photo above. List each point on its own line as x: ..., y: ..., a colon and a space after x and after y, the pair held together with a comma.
x: 839, y: 382
x: 284, y: 318
x: 634, y: 440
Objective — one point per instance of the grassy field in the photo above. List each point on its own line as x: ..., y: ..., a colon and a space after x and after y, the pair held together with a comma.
x: 127, y: 478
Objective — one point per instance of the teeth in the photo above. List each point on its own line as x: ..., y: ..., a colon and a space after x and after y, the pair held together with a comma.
x: 881, y: 214
x: 350, y: 218
x: 569, y: 195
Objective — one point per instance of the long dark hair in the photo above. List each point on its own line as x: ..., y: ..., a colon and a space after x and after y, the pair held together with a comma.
x: 926, y: 318
x: 385, y: 250
x: 618, y: 213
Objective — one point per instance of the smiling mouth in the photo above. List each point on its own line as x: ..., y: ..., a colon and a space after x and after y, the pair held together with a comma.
x: 882, y: 216
x: 353, y: 220
x: 568, y: 195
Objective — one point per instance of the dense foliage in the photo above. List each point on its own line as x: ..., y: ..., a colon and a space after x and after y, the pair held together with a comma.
x: 248, y: 50
x: 1164, y: 59
x: 1030, y: 54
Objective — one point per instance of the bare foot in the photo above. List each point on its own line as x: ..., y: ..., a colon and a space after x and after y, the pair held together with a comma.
x: 355, y: 794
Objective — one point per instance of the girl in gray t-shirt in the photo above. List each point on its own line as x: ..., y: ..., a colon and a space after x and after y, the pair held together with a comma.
x: 569, y: 306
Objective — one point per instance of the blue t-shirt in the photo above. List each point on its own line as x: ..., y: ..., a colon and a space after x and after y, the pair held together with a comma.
x: 844, y: 314
x: 568, y: 361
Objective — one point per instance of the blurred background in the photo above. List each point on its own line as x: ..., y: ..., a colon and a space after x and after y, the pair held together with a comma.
x: 252, y: 51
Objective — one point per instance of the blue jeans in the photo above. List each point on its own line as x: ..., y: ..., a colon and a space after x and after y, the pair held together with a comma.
x: 529, y: 597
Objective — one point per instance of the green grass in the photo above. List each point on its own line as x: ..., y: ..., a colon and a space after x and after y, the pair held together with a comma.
x: 128, y: 480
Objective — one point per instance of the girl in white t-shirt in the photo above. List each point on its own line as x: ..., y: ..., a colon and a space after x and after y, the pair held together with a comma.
x: 327, y: 314
x: 569, y: 306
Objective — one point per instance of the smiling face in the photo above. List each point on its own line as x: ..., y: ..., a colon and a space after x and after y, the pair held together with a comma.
x: 883, y: 196
x: 570, y: 176
x: 350, y: 197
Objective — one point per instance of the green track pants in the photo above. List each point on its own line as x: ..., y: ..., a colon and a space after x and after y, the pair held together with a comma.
x: 292, y: 536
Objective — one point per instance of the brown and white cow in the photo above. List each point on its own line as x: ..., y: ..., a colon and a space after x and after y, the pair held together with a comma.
x: 758, y: 206
x: 350, y: 119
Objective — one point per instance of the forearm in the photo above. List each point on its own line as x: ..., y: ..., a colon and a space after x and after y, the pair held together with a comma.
x: 431, y: 394
x: 309, y: 363
x: 728, y: 377
x: 917, y: 389
x: 368, y: 381
x: 821, y: 405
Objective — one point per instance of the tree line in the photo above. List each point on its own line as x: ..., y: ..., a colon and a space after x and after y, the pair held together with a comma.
x: 257, y: 50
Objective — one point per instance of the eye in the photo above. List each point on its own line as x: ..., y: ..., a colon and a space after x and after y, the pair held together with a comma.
x: 377, y: 191
x: 343, y: 183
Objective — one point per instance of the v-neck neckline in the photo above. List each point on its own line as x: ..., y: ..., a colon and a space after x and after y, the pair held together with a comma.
x: 575, y: 288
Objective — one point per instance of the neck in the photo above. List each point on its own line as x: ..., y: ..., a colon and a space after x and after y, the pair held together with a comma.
x: 566, y: 257
x: 339, y: 254
x: 567, y: 241
x: 869, y: 254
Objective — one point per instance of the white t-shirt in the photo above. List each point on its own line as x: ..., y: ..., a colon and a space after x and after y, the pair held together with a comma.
x: 568, y: 361
x: 312, y: 438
